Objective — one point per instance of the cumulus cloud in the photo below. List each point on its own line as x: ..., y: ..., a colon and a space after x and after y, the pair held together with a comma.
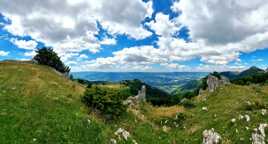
x: 219, y: 32
x: 70, y: 26
x: 28, y: 45
x: 3, y: 53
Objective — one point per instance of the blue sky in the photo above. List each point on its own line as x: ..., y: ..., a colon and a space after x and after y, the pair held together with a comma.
x: 135, y: 35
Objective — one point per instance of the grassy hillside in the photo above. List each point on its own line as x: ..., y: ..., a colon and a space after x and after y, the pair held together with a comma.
x: 39, y: 106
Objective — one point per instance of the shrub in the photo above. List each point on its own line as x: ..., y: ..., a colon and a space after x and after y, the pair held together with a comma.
x: 108, y: 101
x: 46, y: 56
x: 187, y: 103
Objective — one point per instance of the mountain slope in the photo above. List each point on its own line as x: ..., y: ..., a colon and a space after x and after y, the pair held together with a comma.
x: 37, y: 105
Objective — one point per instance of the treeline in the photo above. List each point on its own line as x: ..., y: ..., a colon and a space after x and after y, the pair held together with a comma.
x: 259, y: 78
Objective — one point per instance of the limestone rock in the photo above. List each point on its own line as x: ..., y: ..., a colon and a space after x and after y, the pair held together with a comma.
x: 263, y: 112
x: 258, y: 136
x: 122, y: 133
x: 214, y: 82
x: 134, y: 100
x: 211, y: 137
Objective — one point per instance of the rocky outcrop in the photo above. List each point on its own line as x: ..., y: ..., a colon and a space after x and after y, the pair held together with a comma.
x: 211, y: 137
x: 214, y: 82
x: 266, y: 70
x: 258, y: 136
x: 141, y: 97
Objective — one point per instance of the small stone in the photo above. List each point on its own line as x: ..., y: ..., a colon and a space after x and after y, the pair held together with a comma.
x: 121, y: 132
x: 247, y: 118
x: 204, y: 108
x: 211, y: 137
x: 113, y: 141
x: 263, y: 112
x: 233, y: 120
x: 241, y: 117
x: 134, y: 142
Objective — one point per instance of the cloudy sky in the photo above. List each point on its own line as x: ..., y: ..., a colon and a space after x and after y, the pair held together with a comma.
x: 138, y: 35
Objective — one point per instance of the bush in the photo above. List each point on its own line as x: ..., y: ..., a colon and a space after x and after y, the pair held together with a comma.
x: 46, y: 56
x: 108, y: 101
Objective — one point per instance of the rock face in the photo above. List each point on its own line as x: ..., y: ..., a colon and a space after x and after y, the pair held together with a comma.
x: 211, y: 137
x: 258, y: 136
x: 266, y: 70
x: 214, y: 82
x: 141, y: 97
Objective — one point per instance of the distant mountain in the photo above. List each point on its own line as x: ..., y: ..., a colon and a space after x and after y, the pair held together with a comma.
x: 246, y: 73
x: 250, y: 72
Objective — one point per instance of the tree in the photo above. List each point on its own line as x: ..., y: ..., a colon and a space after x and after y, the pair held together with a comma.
x: 46, y: 56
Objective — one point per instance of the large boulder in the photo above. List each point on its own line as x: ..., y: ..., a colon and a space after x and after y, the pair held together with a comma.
x: 211, y: 137
x: 258, y: 136
x: 214, y: 82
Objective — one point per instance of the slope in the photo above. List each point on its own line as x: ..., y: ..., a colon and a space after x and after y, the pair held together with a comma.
x: 37, y: 105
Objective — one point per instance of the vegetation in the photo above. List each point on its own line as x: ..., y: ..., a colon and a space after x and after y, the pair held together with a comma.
x: 107, y: 100
x: 46, y: 56
x: 39, y: 106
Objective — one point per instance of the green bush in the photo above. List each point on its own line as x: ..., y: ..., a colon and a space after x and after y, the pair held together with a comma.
x: 108, y: 101
x: 46, y: 56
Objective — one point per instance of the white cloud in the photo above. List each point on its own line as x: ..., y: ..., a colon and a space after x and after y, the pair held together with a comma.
x: 163, y: 26
x: 70, y: 26
x: 3, y: 53
x: 23, y: 44
x: 108, y: 41
x: 30, y: 54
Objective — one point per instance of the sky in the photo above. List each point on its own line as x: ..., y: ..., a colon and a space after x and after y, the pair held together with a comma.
x: 138, y: 35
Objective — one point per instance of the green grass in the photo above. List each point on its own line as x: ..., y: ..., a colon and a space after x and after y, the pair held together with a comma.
x: 39, y: 106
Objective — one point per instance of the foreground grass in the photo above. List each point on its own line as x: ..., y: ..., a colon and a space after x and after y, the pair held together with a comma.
x: 37, y: 105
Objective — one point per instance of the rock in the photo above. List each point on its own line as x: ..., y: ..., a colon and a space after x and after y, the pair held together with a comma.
x: 134, y: 100
x: 122, y: 133
x: 263, y: 112
x: 211, y: 137
x: 113, y: 141
x: 258, y: 136
x: 204, y: 108
x: 247, y: 118
x: 233, y: 120
x: 214, y: 82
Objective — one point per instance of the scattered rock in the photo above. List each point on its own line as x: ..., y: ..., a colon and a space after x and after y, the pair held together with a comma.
x: 211, y: 137
x: 233, y: 120
x: 113, y: 141
x: 204, y: 108
x: 247, y: 118
x: 263, y: 112
x: 258, y: 136
x: 241, y: 117
x: 122, y: 133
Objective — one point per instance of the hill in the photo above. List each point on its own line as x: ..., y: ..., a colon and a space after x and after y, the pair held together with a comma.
x: 37, y: 105
x: 252, y: 71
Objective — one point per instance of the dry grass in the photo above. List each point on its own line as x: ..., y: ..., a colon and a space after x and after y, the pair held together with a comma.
x: 162, y: 111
